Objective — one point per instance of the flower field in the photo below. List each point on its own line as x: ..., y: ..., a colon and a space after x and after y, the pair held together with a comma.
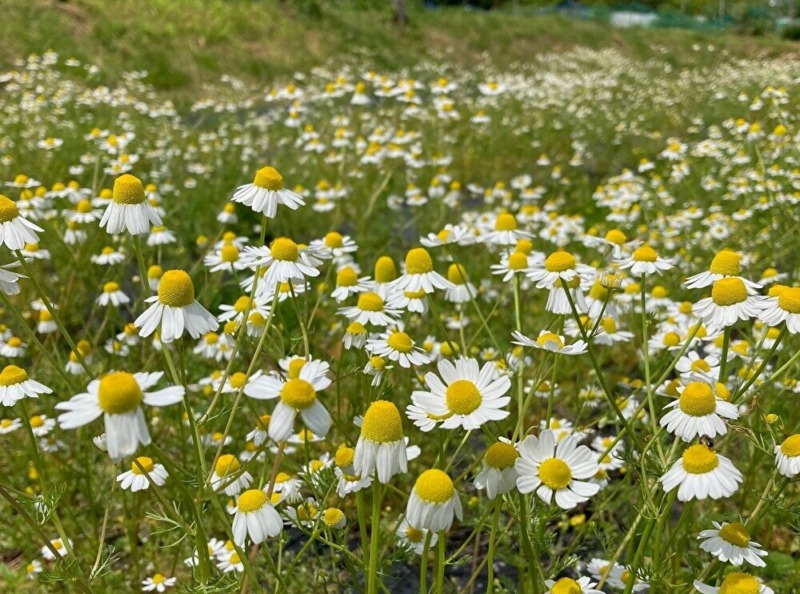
x: 530, y: 329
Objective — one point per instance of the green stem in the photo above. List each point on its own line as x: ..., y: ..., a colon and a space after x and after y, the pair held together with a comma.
x: 498, y: 502
x: 440, y: 563
x: 375, y: 536
x: 423, y: 564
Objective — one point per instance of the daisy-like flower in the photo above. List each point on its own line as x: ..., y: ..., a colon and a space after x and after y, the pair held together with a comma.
x: 225, y: 259
x: 334, y: 518
x: 58, y: 545
x: 420, y: 275
x: 33, y: 568
x: 697, y: 412
x: 463, y: 290
x: 614, y: 239
x: 348, y: 283
x: 735, y: 583
x: 266, y: 193
x: 16, y: 385
x: 41, y: 425
x: 135, y: 479
x: 9, y: 425
x: 112, y: 296
x: 230, y: 562
x: 283, y: 260
x: 556, y: 471
x: 298, y: 395
x: 505, y: 231
x: 158, y: 583
x: 349, y: 480
x: 558, y: 265
x: 381, y: 446
x: 434, y: 502
x: 108, y: 256
x: 567, y: 585
x: 397, y: 346
x: 9, y: 281
x: 175, y: 309
x: 129, y: 210
x: 255, y: 517
x: 787, y: 456
x: 783, y: 307
x: 13, y: 347
x: 15, y: 230
x: 499, y: 473
x: 355, y: 336
x: 730, y: 543
x: 465, y: 396
x: 702, y: 473
x: 371, y: 309
x: 512, y: 264
x: 225, y: 476
x: 644, y: 260
x: 730, y: 302
x: 726, y: 263
x: 414, y: 538
x: 550, y: 342
x: 118, y: 397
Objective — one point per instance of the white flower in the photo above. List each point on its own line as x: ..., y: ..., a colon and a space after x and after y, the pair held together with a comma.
x: 550, y: 342
x: 284, y: 262
x: 730, y: 302
x: 730, y: 543
x: 787, y: 456
x: 381, y: 446
x: 16, y: 385
x: 785, y: 307
x: 697, y: 412
x: 702, y: 473
x: 112, y: 295
x: 15, y: 231
x: 136, y: 479
x: 419, y: 274
x: 371, y: 309
x: 266, y: 193
x: 128, y: 210
x: 499, y: 473
x: 735, y: 583
x: 158, y: 583
x: 433, y: 502
x: 227, y: 476
x: 255, y: 517
x: 397, y: 346
x: 569, y: 586
x: 644, y: 260
x: 559, y: 265
x: 414, y: 537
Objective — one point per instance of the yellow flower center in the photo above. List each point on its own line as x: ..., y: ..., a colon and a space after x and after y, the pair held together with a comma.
x: 154, y: 272
x: 227, y: 464
x: 791, y: 446
x: 672, y: 339
x: 566, y: 586
x: 84, y: 206
x: 344, y: 455
x: 346, y: 277
x: 176, y: 289
x: 555, y: 473
x: 356, y: 328
x: 616, y: 237
x: 697, y: 400
x: 269, y: 179
x: 14, y: 341
x: 385, y: 270
x: 739, y: 583
x: 158, y: 579
x: 434, y: 486
x: 609, y: 325
x: 699, y: 459
x: 128, y: 189
x: 370, y: 302
x: 659, y: 292
x: 119, y: 393
x: 550, y: 337
x: 728, y: 291
x: 284, y: 249
x: 110, y: 287
x: 382, y: 423
x: 234, y: 558
x: 505, y: 222
x: 12, y: 375
x: 145, y: 463
x: 501, y: 455
x: 334, y: 240
x: 645, y: 254
x: 238, y: 380
x: 8, y: 209
x: 241, y: 304
x: 559, y: 262
x: 789, y: 300
x: 229, y: 253
x: 252, y: 500
x: 517, y: 261
x: 463, y: 397
x: 401, y: 342
x: 414, y: 535
x: 456, y: 274
x: 332, y: 516
x: 294, y: 367
x: 418, y: 261
x: 298, y: 393
x: 37, y: 421
x: 736, y: 534
x: 701, y: 365
x: 726, y: 262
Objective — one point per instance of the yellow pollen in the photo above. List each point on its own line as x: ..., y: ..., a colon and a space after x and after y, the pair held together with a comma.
x: 559, y: 262
x: 252, y: 500
x: 457, y: 274
x: 791, y: 446
x: 346, y: 277
x: 110, y: 287
x: 284, y: 249
x: 728, y: 291
x: 356, y: 328
x: 434, y: 486
x: 645, y: 254
x: 14, y: 341
x: 701, y: 365
x: 385, y: 270
x: 295, y: 365
x: 505, y: 222
x: 229, y: 253
x: 525, y: 246
x: 12, y: 375
x: 84, y: 206
x: 418, y: 261
x: 128, y: 189
x: 501, y: 455
x: 698, y: 400
x: 739, y: 583
x: 566, y: 586
x: 736, y: 534
x: 401, y: 342
x: 699, y: 459
x: 659, y: 292
x: 238, y: 379
x: 37, y: 421
x: 234, y: 558
x: 789, y: 300
x: 344, y: 456
x: 119, y: 393
x: 463, y: 397
x: 616, y: 237
x: 269, y: 179
x: 555, y: 473
x: 443, y: 235
x: 378, y: 363
x: 242, y: 304
x: 298, y: 393
x: 145, y: 462
x: 332, y: 517
x: 227, y: 464
x: 154, y: 272
x: 8, y: 209
x: 334, y: 240
x: 382, y: 423
x: 550, y: 337
x: 176, y: 289
x: 370, y: 302
x: 445, y: 349
x: 727, y: 263
x: 671, y: 339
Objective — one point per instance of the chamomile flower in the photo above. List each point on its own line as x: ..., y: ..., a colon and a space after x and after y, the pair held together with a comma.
x: 255, y: 517
x: 266, y: 193
x: 463, y: 291
x: 16, y: 385
x: 787, y: 456
x: 355, y: 336
x: 784, y: 307
x: 499, y: 474
x: 349, y: 481
x: 419, y: 274
x: 158, y: 583
x: 371, y: 309
x: 175, y: 309
x: 730, y: 302
x: 615, y: 239
x: 128, y: 210
x: 557, y: 472
x: 136, y: 479
x: 725, y: 263
x: 513, y: 264
x: 701, y: 473
x: 567, y: 585
x: 112, y: 296
x: 226, y: 476
x: 730, y: 543
x: 644, y: 260
x: 414, y: 538
x: 697, y: 412
x: 9, y: 281
x: 381, y: 447
x: 284, y: 261
x: 15, y: 230
x: 735, y: 583
x: 41, y: 425
x: 465, y: 396
x: 558, y: 265
x: 13, y: 347
x: 118, y: 397
x: 397, y: 346
x: 549, y: 341
x: 58, y: 545
x: 434, y: 502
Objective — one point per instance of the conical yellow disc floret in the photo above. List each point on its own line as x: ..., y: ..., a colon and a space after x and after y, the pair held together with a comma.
x: 517, y: 261
x: 119, y: 393
x: 739, y: 583
x: 560, y: 262
x: 229, y: 253
x: 269, y: 179
x: 12, y: 375
x: 736, y: 534
x: 295, y: 365
x: 110, y: 287
x: 698, y: 399
x: 176, y: 289
x: 505, y: 222
x: 334, y: 240
x: 418, y: 261
x: 385, y: 270
x: 566, y: 586
x: 791, y: 446
x: 434, y: 486
x: 332, y: 517
x: 128, y: 189
x: 645, y: 254
x: 252, y: 500
x: 789, y: 300
x: 401, y: 342
x: 145, y: 463
x: 555, y: 473
x: 501, y: 455
x: 370, y: 301
x: 729, y: 291
x: 227, y: 464
x: 8, y: 209
x: 726, y: 262
x: 616, y: 237
x: 457, y: 274
x: 344, y: 456
x: 699, y: 459
x: 284, y: 249
x: 463, y: 397
x: 298, y: 393
x: 382, y: 423
x: 346, y: 277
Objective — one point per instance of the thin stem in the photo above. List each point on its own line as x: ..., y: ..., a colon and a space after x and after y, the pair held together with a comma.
x: 498, y: 502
